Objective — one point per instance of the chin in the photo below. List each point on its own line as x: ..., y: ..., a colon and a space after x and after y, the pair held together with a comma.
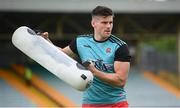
x: 107, y: 35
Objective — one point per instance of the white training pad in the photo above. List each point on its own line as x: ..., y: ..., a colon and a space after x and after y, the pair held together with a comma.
x: 52, y: 58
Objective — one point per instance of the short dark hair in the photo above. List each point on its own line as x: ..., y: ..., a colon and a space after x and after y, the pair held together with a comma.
x: 102, y: 11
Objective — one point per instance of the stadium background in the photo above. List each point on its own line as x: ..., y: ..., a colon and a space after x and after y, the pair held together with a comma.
x: 150, y: 27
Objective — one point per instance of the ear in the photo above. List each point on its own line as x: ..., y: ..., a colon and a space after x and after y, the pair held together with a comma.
x: 92, y: 23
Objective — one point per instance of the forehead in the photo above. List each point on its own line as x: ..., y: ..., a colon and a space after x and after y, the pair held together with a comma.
x: 103, y: 18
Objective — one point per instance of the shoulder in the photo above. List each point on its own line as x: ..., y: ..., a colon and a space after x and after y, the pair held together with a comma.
x: 118, y: 41
x: 80, y: 39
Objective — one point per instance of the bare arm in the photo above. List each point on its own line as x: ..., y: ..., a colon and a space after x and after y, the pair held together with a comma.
x: 66, y: 49
x: 115, y: 79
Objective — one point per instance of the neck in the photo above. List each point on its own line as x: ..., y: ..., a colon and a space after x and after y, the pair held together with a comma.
x: 100, y: 38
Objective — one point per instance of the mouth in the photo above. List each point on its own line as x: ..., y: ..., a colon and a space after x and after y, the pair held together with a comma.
x: 108, y: 31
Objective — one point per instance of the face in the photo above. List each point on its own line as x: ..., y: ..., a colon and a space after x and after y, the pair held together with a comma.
x: 102, y: 26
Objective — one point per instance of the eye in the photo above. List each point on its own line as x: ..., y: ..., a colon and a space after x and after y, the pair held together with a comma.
x: 104, y: 22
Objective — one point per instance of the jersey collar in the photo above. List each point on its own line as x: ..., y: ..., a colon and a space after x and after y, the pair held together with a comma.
x: 100, y: 41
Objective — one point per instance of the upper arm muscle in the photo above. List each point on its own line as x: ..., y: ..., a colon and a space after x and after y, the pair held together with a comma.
x: 122, y: 69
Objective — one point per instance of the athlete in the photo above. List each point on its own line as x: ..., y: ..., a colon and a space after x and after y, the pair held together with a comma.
x: 109, y: 61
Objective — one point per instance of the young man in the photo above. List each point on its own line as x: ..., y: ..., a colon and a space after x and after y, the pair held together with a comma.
x: 110, y: 61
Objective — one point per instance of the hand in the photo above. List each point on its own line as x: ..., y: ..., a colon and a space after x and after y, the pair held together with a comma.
x: 91, y: 68
x: 89, y: 65
x: 45, y: 35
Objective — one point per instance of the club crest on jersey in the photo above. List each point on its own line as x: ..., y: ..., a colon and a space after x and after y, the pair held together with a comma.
x: 108, y: 50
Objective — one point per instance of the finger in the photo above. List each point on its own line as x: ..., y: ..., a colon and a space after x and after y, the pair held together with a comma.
x: 86, y: 63
x: 45, y: 34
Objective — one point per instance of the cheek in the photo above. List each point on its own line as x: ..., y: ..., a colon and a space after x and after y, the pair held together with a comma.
x: 100, y: 28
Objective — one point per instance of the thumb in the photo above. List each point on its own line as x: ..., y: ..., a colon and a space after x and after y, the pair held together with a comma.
x: 45, y: 35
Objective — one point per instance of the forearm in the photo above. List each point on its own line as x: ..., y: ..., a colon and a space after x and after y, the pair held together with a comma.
x: 66, y: 50
x: 110, y: 78
x: 53, y: 44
